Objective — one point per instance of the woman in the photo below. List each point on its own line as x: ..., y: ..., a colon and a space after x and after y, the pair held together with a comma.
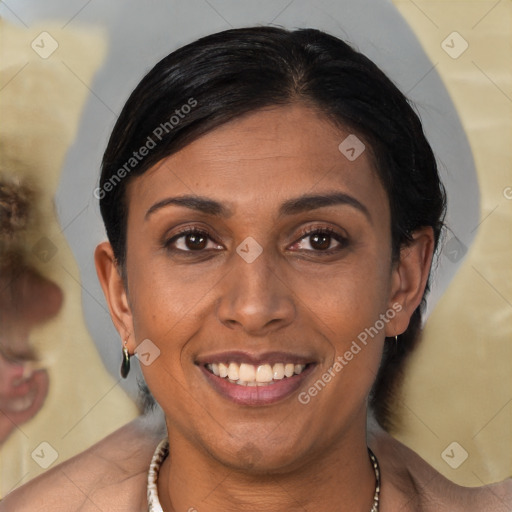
x: 272, y: 208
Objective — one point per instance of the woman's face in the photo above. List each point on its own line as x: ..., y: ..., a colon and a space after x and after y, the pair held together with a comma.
x: 262, y: 247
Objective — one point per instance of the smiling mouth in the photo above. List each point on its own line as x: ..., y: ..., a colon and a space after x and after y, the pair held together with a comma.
x: 245, y: 374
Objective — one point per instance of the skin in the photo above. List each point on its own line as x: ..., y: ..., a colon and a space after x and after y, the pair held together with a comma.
x: 289, y: 299
x: 287, y: 455
x: 110, y: 477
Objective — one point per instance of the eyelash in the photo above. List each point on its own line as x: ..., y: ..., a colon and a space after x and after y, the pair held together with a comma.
x: 185, y: 232
x: 342, y: 240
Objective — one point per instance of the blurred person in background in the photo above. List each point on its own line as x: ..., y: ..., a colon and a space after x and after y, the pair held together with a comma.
x: 27, y: 300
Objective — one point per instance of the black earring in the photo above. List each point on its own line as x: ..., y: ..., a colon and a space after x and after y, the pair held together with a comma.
x: 125, y: 363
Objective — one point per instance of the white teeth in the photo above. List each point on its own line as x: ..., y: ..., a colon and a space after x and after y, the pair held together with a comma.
x: 223, y: 370
x: 278, y: 370
x: 289, y: 369
x: 233, y: 371
x: 264, y: 373
x: 245, y: 374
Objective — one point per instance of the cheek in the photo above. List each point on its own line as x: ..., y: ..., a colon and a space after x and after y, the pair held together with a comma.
x: 349, y: 299
x: 347, y: 310
x: 162, y: 296
x: 168, y: 308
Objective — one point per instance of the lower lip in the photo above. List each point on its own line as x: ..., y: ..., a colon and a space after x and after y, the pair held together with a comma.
x: 257, y: 395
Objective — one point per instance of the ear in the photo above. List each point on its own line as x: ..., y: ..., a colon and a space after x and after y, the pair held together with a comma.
x: 115, y: 292
x: 409, y: 279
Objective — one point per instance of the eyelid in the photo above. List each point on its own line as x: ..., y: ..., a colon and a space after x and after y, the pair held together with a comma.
x: 304, y: 233
x: 167, y: 242
x: 342, y: 239
x: 311, y: 230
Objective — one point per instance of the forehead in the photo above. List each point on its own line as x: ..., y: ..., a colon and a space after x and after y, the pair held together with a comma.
x: 264, y: 157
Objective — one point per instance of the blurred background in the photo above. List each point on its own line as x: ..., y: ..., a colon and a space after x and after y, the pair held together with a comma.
x: 66, y: 69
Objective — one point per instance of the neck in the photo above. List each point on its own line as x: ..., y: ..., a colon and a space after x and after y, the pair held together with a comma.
x: 340, y: 478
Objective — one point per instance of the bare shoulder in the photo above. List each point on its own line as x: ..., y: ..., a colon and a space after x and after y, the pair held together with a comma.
x: 408, y: 481
x: 111, y: 475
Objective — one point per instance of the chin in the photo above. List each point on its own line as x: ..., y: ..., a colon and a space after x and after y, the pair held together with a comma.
x: 257, y: 457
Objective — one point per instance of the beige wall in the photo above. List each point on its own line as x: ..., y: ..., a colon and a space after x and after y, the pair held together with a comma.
x: 459, y: 385
x: 40, y: 110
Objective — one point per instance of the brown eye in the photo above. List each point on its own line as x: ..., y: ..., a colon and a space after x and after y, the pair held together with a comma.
x: 195, y: 241
x: 320, y: 241
x: 192, y: 240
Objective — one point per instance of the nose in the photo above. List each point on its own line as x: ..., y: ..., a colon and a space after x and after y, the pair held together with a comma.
x: 255, y: 298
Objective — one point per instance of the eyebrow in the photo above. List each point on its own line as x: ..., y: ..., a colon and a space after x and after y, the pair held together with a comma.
x: 201, y: 204
x: 293, y: 206
x: 312, y: 202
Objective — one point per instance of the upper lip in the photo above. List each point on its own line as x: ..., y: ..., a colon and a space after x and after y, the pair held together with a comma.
x: 238, y: 356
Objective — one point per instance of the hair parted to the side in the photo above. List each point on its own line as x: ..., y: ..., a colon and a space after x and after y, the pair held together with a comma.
x: 231, y: 73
